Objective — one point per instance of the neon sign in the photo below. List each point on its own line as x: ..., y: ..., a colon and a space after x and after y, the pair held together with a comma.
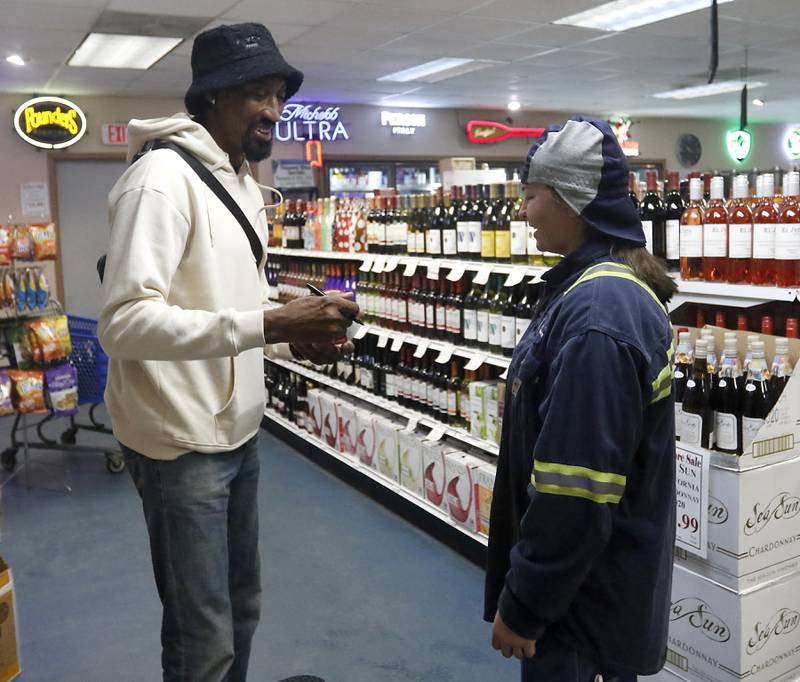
x: 792, y: 143
x: 50, y: 122
x: 302, y: 122
x: 739, y: 143
x: 483, y: 132
x: 402, y: 123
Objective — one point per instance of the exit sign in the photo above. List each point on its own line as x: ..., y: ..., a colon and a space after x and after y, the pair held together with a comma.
x: 115, y: 134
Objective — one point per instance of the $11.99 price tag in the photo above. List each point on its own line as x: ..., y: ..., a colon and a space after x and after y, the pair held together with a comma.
x: 691, y: 483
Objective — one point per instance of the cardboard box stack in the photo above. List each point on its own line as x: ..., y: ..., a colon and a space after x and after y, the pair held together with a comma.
x: 736, y: 614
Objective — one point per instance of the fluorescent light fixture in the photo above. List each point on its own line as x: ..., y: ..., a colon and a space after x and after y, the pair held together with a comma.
x: 438, y: 70
x: 759, y: 102
x: 719, y: 88
x: 16, y: 60
x: 117, y: 51
x: 622, y: 15
x: 514, y: 105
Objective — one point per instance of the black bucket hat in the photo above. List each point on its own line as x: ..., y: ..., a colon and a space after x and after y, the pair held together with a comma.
x: 235, y: 54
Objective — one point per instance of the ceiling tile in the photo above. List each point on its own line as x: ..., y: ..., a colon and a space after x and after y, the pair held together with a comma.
x: 563, y: 59
x: 554, y: 36
x: 500, y: 51
x: 51, y: 16
x: 448, y: 6
x: 343, y: 38
x: 308, y: 12
x: 542, y: 11
x: 372, y: 17
x: 476, y: 28
x: 183, y: 8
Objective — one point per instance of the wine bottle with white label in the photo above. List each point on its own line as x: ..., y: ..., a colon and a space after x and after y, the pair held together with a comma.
x: 684, y: 359
x: 726, y: 399
x: 673, y: 210
x: 756, y: 400
x: 697, y: 415
x: 651, y: 210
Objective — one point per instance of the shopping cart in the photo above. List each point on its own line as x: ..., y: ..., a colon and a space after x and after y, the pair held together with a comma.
x: 91, y: 361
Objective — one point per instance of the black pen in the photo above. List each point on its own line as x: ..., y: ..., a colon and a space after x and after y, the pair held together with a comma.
x: 317, y: 292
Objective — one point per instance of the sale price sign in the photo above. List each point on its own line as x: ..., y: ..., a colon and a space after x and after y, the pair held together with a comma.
x: 692, y: 498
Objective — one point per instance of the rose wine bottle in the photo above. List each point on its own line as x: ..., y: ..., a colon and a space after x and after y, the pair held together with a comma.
x: 692, y: 233
x: 765, y: 217
x: 787, y: 236
x: 740, y: 233
x: 715, y: 233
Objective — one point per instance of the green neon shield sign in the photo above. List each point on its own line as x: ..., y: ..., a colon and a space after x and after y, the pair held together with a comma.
x: 739, y: 144
x: 793, y: 143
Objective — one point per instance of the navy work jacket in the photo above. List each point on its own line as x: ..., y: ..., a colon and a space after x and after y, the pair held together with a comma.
x: 583, y: 515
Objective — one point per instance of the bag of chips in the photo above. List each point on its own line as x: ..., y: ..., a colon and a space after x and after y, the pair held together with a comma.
x: 43, y: 342
x: 8, y: 290
x: 27, y: 392
x: 23, y: 245
x: 62, y: 390
x: 42, y: 290
x: 6, y: 243
x: 60, y: 326
x: 44, y: 241
x: 6, y: 406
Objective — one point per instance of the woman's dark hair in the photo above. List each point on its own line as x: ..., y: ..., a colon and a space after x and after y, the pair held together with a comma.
x: 647, y: 268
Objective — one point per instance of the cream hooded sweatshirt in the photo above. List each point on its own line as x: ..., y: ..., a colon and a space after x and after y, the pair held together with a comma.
x: 182, y: 311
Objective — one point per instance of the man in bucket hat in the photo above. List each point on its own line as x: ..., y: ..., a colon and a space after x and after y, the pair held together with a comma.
x: 583, y: 514
x: 185, y: 324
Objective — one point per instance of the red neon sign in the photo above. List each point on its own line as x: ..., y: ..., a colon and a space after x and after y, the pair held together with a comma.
x: 314, y: 153
x: 481, y: 132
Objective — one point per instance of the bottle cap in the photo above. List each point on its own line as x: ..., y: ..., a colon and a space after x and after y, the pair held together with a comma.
x: 730, y: 346
x: 758, y: 349
x: 768, y: 188
x: 673, y: 181
x: 794, y: 184
x: 652, y: 181
x: 766, y: 324
x: 719, y: 319
x: 695, y: 189
x: 701, y: 348
x: 718, y: 187
x: 781, y: 345
x: 751, y: 339
x: 791, y: 327
x: 741, y: 322
x: 684, y: 337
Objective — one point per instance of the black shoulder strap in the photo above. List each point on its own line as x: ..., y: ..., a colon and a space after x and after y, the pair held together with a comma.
x: 222, y: 194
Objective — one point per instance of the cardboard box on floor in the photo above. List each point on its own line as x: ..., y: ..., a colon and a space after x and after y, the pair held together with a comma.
x: 753, y: 525
x: 779, y: 438
x: 720, y: 635
x: 9, y: 637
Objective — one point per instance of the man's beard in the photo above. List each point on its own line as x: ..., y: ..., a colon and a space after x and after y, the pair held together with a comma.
x: 256, y: 150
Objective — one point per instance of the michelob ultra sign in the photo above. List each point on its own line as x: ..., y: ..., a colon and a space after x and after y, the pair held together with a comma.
x: 50, y: 122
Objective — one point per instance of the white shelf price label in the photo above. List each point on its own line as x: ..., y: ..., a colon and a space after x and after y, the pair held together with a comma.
x: 383, y: 339
x: 379, y: 264
x: 433, y: 271
x: 535, y: 276
x: 504, y: 375
x: 692, y: 496
x: 412, y: 424
x: 516, y: 276
x: 445, y: 354
x: 475, y: 362
x: 456, y: 272
x: 366, y: 265
x: 483, y: 275
x: 361, y: 331
x: 422, y: 347
x: 397, y: 342
x: 391, y: 264
x: 436, y: 434
x: 411, y: 267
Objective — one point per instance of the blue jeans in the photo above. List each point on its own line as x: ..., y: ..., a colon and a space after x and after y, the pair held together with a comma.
x: 202, y: 517
x: 555, y: 662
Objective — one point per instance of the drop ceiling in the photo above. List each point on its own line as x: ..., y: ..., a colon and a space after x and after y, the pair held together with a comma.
x: 344, y: 45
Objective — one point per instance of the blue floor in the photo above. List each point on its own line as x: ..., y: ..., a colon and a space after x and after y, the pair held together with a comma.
x: 351, y: 592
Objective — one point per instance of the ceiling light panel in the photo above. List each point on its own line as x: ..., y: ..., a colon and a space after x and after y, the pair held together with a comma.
x: 622, y: 15
x: 112, y: 51
x: 719, y: 88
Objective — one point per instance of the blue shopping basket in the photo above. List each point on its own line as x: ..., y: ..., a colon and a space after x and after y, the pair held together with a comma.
x: 88, y: 358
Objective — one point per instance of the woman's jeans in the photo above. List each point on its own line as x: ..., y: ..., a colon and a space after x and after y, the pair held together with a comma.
x: 555, y: 662
x: 202, y: 517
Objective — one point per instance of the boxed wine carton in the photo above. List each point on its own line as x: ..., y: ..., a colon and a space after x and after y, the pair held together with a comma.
x: 434, y: 473
x: 495, y: 403
x: 330, y: 419
x: 314, y: 421
x: 479, y: 402
x: 365, y: 437
x: 411, y: 469
x: 9, y: 637
x: 484, y: 490
x: 460, y: 472
x: 387, y: 454
x: 348, y: 428
x: 778, y: 439
x: 719, y: 635
x: 753, y: 525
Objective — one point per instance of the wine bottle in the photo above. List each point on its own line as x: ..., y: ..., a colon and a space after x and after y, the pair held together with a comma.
x: 691, y: 246
x: 684, y: 361
x: 496, y: 305
x: 725, y: 399
x: 462, y: 224
x: 633, y: 188
x: 519, y: 227
x: 523, y: 313
x: 697, y: 415
x: 441, y: 296
x: 449, y: 228
x: 464, y: 402
x: 740, y: 233
x: 430, y: 308
x: 421, y: 224
x: 453, y: 312
x: 484, y: 303
x: 765, y: 218
x: 488, y: 225
x: 454, y: 395
x: 673, y: 210
x: 756, y: 400
x: 652, y: 213
x: 715, y: 234
x: 781, y: 369
x: 477, y: 209
x: 470, y: 316
x: 433, y: 243
x: 502, y: 226
x: 508, y: 323
x: 787, y: 235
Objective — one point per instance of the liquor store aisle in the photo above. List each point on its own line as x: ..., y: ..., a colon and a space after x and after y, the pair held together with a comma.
x: 350, y: 592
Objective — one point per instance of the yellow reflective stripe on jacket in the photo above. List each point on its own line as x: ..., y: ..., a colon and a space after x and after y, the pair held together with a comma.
x: 611, y: 269
x: 662, y: 384
x: 576, y: 481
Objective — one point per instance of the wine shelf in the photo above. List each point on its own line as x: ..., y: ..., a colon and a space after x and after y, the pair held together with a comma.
x: 393, y: 408
x: 374, y: 475
x: 719, y: 293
